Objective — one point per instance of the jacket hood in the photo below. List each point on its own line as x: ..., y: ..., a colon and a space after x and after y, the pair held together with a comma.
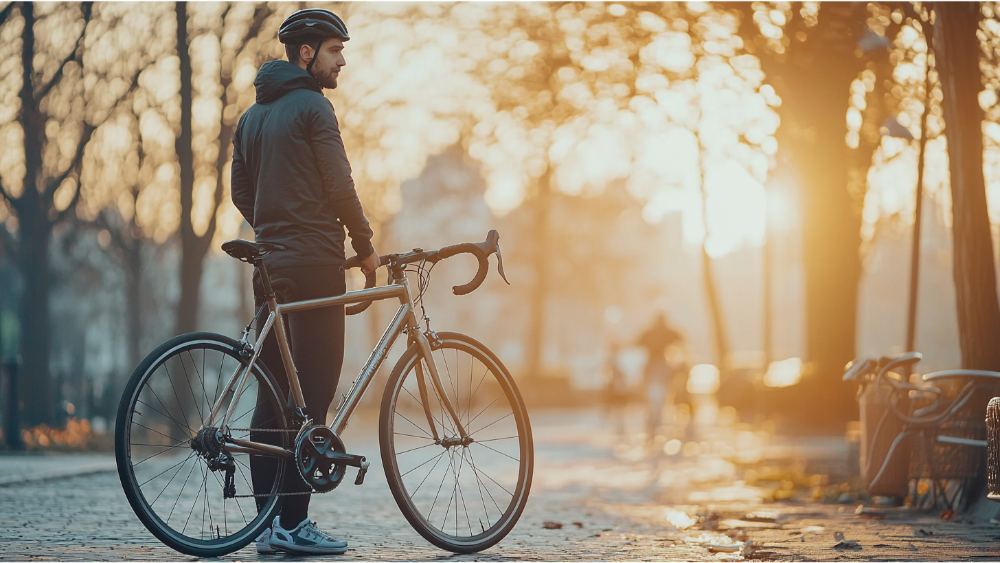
x: 277, y: 78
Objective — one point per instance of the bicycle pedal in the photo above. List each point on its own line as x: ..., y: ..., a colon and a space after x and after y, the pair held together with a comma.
x: 361, y: 473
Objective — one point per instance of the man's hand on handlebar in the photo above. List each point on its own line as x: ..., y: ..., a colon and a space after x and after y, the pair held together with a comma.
x: 371, y: 263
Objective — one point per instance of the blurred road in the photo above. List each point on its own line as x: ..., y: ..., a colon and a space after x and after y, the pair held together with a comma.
x: 595, y: 496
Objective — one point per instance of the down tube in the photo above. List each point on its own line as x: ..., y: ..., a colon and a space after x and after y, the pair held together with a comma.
x: 371, y: 366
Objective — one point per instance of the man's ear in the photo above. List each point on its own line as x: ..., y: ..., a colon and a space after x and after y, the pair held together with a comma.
x: 306, y: 53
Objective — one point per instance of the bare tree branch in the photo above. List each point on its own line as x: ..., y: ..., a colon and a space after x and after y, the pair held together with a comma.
x: 88, y: 131
x: 74, y: 56
x: 261, y: 13
x: 6, y: 195
x: 54, y: 183
x: 5, y: 13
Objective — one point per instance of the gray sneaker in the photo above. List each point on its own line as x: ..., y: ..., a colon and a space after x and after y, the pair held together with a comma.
x: 306, y: 538
x: 264, y: 540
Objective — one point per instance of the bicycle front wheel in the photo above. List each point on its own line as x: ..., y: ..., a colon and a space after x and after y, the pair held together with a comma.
x: 178, y: 492
x: 460, y: 497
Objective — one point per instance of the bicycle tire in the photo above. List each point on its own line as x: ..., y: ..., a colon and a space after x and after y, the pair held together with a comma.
x: 141, y: 390
x: 391, y: 401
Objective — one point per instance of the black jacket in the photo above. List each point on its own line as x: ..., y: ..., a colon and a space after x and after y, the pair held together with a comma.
x: 291, y: 179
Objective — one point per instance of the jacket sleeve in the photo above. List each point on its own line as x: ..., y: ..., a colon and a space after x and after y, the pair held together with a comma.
x: 331, y: 160
x: 242, y: 187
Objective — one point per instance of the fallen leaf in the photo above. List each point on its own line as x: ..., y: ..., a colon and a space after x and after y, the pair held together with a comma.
x: 578, y: 524
x: 724, y: 547
x: 549, y: 525
x: 847, y: 544
x: 761, y: 517
x: 948, y: 514
x: 926, y: 533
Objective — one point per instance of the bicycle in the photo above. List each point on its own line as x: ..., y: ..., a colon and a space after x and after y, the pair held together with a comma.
x: 465, y: 424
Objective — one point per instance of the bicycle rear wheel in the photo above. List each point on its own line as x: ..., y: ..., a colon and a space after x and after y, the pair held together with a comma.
x: 460, y: 497
x: 177, y: 493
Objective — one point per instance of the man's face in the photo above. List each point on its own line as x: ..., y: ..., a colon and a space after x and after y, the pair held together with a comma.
x: 329, y: 61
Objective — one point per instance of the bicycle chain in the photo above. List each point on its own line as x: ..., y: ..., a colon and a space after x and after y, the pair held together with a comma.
x: 268, y: 495
x: 263, y: 495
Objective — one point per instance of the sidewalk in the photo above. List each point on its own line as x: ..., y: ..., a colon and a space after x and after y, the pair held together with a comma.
x: 17, y: 468
x: 596, y: 495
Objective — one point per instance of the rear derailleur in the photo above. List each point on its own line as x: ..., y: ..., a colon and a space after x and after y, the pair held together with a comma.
x: 208, y: 445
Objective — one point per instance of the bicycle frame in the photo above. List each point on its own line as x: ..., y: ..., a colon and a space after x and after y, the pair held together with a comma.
x: 404, y: 321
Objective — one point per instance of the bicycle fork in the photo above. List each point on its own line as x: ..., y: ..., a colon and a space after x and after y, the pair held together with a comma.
x: 435, y: 377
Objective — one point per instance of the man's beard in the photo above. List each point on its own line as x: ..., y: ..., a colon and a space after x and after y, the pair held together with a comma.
x: 329, y: 80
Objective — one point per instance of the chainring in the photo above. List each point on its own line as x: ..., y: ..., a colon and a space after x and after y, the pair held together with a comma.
x: 312, y: 451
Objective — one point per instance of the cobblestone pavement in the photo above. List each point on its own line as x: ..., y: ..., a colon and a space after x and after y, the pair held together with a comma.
x: 595, y: 496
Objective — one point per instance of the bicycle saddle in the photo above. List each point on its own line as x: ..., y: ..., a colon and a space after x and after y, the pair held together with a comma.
x: 247, y: 251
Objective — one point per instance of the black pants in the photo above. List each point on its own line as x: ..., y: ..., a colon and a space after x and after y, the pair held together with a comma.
x: 317, y: 342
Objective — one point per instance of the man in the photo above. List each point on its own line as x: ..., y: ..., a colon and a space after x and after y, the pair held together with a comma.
x: 292, y: 182
x: 657, y: 339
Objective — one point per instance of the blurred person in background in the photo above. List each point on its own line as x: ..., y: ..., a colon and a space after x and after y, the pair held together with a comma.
x: 615, y: 389
x: 292, y: 182
x: 657, y: 340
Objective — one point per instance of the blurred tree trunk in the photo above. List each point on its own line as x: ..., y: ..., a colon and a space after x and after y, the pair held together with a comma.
x: 37, y: 217
x: 958, y: 53
x: 191, y: 254
x: 195, y: 247
x: 541, y: 207
x: 813, y: 78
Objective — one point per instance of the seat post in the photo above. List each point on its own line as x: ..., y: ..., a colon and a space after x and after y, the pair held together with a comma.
x: 264, y: 278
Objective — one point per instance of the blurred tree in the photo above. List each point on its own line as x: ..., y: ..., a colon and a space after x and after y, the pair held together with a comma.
x: 958, y: 51
x: 227, y: 43
x: 641, y: 96
x: 71, y: 82
x: 812, y: 54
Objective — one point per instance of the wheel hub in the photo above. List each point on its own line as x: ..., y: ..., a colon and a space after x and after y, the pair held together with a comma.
x: 456, y: 441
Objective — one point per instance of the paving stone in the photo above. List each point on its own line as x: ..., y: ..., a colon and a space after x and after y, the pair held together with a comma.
x: 624, y: 506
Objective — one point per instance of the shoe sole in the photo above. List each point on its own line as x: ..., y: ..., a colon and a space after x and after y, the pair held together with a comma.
x: 311, y: 550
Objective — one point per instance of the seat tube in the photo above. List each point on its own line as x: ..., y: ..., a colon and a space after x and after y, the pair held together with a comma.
x: 282, y: 336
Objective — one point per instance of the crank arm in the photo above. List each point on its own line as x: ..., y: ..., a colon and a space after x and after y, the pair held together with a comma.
x: 346, y: 459
x: 358, y: 461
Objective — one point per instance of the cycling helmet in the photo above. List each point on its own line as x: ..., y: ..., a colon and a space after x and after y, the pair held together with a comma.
x: 312, y: 23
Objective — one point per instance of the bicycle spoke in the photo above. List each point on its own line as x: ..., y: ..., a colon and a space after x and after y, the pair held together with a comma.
x: 181, y: 491
x: 422, y: 464
x: 451, y: 465
x: 151, y: 430
x: 481, y: 379
x: 414, y: 425
x: 413, y: 436
x: 497, y: 451
x: 158, y: 453
x: 187, y: 379
x: 448, y: 371
x: 428, y: 473
x: 494, y: 482
x: 415, y: 449
x: 480, y: 486
x: 201, y: 378
x: 180, y: 404
x: 495, y: 439
x: 511, y: 413
x: 218, y: 381
x: 195, y: 503
x: 484, y: 409
x: 163, y: 414
x: 171, y: 478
